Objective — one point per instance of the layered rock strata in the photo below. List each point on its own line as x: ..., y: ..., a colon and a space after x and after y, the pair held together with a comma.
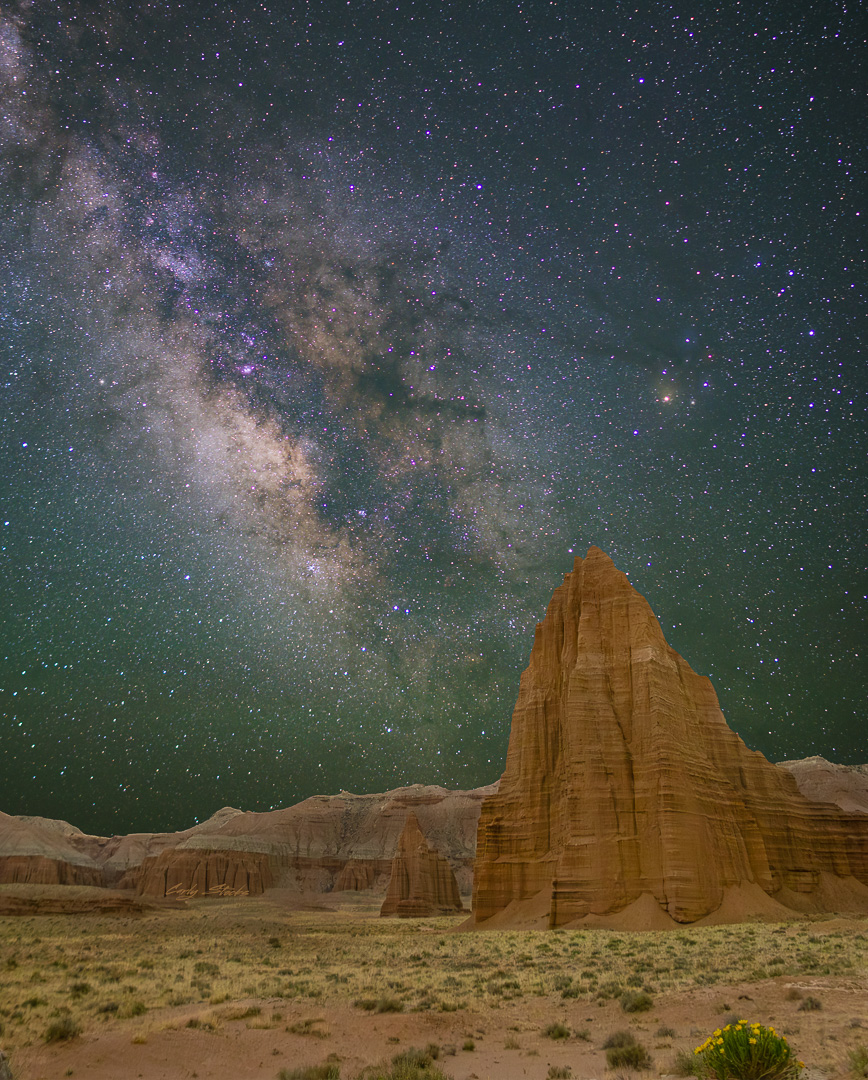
x: 328, y: 843
x: 202, y: 872
x: 422, y: 882
x: 625, y: 790
x: 38, y: 851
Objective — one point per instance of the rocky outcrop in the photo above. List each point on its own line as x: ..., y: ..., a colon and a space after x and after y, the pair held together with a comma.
x: 333, y: 843
x: 329, y: 843
x: 824, y: 781
x: 358, y: 875
x: 625, y: 793
x: 33, y: 852
x: 422, y: 883
x: 185, y: 873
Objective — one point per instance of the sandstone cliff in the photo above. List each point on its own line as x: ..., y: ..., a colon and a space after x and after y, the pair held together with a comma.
x: 422, y: 882
x: 37, y: 851
x: 625, y: 793
x: 329, y: 843
x: 202, y: 872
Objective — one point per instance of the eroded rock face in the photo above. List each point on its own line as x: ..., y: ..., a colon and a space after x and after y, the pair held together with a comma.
x: 32, y: 852
x: 625, y: 787
x: 329, y: 843
x: 422, y: 883
x: 358, y: 875
x: 193, y: 872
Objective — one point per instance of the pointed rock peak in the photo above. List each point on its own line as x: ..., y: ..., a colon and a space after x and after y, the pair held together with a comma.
x: 422, y: 882
x: 623, y: 781
x: 412, y: 836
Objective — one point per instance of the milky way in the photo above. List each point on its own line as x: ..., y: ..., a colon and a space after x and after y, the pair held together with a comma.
x: 330, y: 333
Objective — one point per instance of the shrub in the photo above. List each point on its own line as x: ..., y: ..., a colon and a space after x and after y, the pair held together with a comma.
x: 403, y: 1069
x: 559, y: 1072
x: 556, y: 1031
x: 745, y: 1051
x: 64, y: 1028
x: 413, y: 1058
x: 666, y: 1032
x: 326, y: 1071
x: 684, y: 1064
x: 859, y: 1061
x: 635, y: 1001
x: 389, y: 1005
x: 308, y: 1026
x: 619, y: 1038
x: 810, y: 1004
x: 132, y: 1008
x: 634, y: 1056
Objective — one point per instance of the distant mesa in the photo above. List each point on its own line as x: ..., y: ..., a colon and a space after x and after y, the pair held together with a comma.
x: 422, y: 882
x: 328, y: 844
x: 627, y: 801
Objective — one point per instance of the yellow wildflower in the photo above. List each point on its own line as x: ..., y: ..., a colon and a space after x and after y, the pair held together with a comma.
x: 752, y: 1042
x: 716, y: 1033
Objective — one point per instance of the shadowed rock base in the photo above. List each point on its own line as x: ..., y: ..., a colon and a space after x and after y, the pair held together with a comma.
x: 626, y: 794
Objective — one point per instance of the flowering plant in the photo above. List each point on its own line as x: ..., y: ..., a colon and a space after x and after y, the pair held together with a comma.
x: 744, y: 1051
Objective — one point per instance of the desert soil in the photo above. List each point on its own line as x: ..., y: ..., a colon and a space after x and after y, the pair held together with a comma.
x: 245, y: 988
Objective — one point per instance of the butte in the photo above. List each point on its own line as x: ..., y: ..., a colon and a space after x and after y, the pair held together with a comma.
x: 627, y: 801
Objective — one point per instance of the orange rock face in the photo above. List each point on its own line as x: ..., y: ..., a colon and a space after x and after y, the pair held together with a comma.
x: 422, y: 882
x: 624, y: 787
x: 188, y: 872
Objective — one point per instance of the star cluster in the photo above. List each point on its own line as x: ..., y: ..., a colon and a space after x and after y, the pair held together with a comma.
x: 330, y: 332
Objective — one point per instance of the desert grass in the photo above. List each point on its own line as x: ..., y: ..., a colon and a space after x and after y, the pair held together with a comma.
x: 221, y: 960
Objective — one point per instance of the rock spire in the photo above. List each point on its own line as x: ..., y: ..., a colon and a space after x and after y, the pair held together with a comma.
x: 627, y: 797
x: 422, y: 882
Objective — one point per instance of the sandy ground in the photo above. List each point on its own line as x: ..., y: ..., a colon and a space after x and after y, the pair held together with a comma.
x: 483, y: 1041
x: 356, y: 1039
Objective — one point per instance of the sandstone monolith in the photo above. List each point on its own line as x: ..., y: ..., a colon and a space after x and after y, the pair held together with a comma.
x: 627, y: 797
x: 422, y: 882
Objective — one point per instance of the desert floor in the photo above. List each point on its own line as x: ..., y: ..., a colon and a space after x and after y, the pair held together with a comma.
x: 245, y: 988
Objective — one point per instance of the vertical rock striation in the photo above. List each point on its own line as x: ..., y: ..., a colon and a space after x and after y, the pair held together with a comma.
x: 422, y: 882
x: 625, y: 790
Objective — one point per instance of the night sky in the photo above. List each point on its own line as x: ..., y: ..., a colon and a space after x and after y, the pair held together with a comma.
x: 332, y: 331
